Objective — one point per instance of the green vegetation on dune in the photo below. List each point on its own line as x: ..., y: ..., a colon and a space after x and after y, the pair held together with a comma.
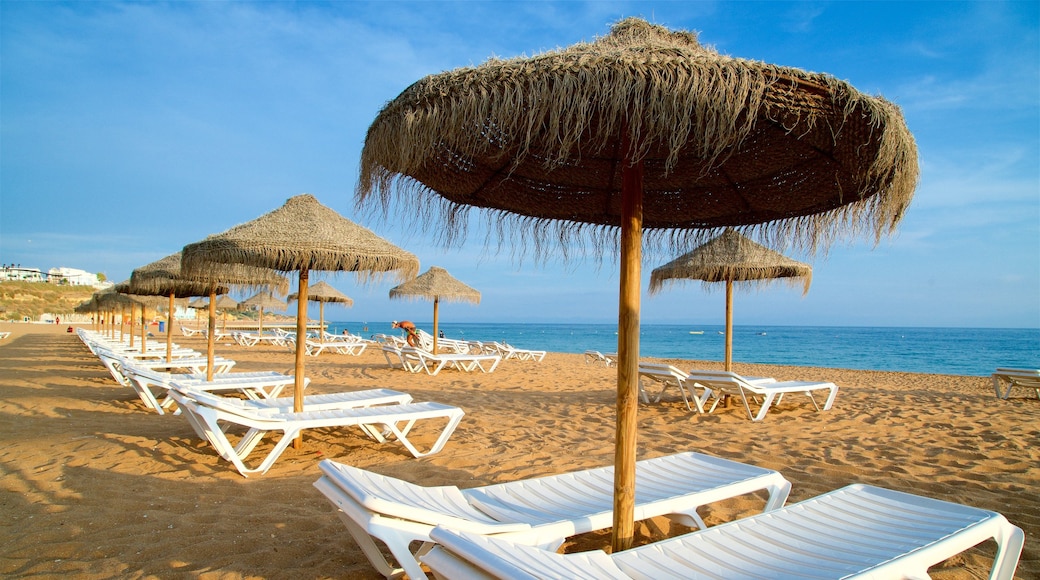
x: 21, y: 299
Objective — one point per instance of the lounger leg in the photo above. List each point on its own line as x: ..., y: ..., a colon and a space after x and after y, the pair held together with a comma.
x: 1009, y: 549
x: 453, y: 422
x: 364, y: 526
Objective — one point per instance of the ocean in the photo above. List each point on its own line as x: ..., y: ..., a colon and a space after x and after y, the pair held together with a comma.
x: 951, y: 351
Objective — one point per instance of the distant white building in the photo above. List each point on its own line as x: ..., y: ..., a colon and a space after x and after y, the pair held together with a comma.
x: 19, y: 274
x: 72, y: 277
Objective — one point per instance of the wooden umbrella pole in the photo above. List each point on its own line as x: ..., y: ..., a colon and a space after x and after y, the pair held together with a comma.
x: 729, y: 325
x: 122, y: 324
x: 132, y: 309
x: 260, y: 322
x: 321, y: 318
x: 212, y: 327
x: 144, y: 327
x: 169, y: 330
x: 301, y: 348
x: 436, y: 306
x: 628, y: 356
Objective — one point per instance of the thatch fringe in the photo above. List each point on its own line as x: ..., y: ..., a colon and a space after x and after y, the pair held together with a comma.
x: 164, y: 276
x: 542, y: 137
x: 300, y: 234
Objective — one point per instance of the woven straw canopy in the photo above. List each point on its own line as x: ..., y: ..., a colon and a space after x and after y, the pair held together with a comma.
x: 163, y: 277
x: 731, y: 257
x: 436, y: 284
x: 723, y: 141
x: 323, y: 292
x: 302, y: 234
x: 223, y: 302
x: 262, y: 300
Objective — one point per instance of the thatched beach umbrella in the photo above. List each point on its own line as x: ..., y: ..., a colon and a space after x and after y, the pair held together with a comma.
x: 260, y: 301
x: 223, y: 303
x: 165, y: 278
x: 436, y: 284
x: 322, y: 292
x: 301, y: 236
x: 643, y: 128
x: 730, y: 258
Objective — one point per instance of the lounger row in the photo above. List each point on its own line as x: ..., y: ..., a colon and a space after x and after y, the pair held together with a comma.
x: 513, y: 530
x: 381, y: 414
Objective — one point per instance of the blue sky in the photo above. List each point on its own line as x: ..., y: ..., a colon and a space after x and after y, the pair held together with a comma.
x: 130, y: 129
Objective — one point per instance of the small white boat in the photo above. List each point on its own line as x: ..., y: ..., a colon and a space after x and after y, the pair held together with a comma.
x: 696, y: 332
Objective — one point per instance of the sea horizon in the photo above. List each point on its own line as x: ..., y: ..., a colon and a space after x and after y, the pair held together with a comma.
x: 934, y: 350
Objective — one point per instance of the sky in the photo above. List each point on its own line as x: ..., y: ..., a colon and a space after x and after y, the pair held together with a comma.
x: 128, y: 130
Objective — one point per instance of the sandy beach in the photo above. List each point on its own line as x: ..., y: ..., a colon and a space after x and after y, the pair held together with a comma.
x: 96, y: 486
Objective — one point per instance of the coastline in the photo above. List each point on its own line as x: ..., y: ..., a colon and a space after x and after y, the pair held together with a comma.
x: 100, y: 487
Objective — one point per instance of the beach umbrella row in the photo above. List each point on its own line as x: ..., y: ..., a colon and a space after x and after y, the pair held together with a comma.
x: 301, y: 236
x: 166, y: 277
x: 643, y: 129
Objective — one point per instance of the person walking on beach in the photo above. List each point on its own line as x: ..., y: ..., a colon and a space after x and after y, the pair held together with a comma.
x: 409, y: 327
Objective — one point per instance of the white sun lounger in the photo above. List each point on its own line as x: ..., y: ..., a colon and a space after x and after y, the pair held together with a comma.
x: 509, y: 351
x: 256, y: 386
x: 314, y: 347
x: 669, y: 376
x: 189, y: 331
x: 594, y: 357
x: 858, y: 531
x: 4, y: 335
x: 541, y: 511
x: 770, y: 391
x: 211, y: 415
x: 1027, y: 378
x: 416, y: 359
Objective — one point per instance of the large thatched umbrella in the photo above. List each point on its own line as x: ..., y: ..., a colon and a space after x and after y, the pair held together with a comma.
x: 322, y: 292
x: 260, y: 301
x: 301, y: 236
x: 730, y: 258
x: 437, y: 284
x: 164, y: 278
x: 643, y: 128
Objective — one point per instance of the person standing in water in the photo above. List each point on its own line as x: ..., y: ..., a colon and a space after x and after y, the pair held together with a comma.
x: 409, y: 327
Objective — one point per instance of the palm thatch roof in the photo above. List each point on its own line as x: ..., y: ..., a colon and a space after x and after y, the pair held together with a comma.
x: 734, y: 258
x: 436, y: 284
x: 323, y: 292
x: 301, y: 235
x: 262, y: 300
x: 164, y: 277
x: 540, y: 144
x: 224, y: 302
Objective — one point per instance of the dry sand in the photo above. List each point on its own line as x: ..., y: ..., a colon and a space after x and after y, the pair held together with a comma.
x: 98, y: 487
